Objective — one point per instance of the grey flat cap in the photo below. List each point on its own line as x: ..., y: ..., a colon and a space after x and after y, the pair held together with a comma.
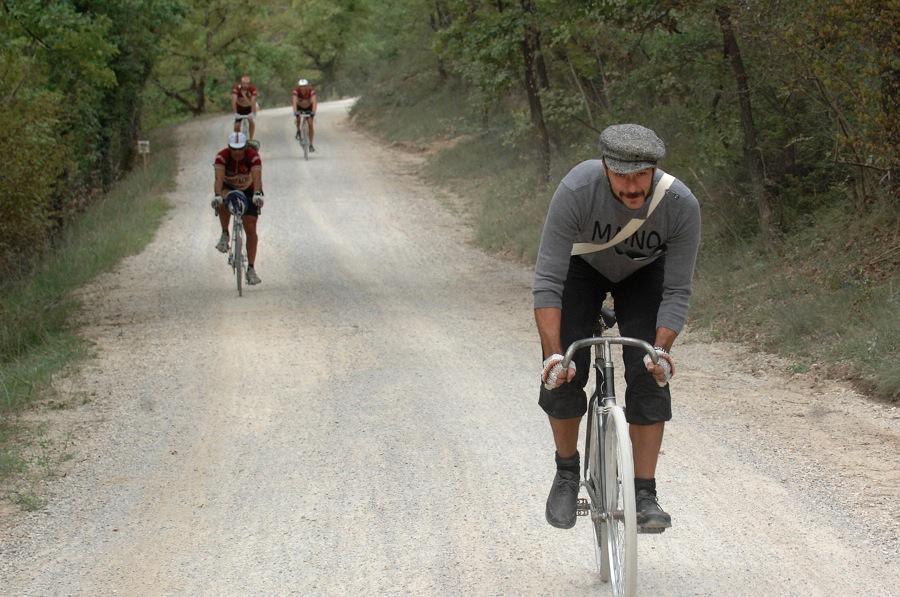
x: 627, y: 148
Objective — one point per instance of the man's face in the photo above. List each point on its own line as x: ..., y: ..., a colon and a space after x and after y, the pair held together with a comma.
x: 631, y: 189
x: 245, y: 82
x: 237, y: 154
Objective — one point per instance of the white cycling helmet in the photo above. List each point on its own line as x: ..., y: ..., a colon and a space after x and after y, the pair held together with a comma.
x: 237, y: 140
x: 302, y: 82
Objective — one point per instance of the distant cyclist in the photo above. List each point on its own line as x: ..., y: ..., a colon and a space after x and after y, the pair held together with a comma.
x: 304, y: 100
x: 239, y: 168
x: 648, y: 269
x: 243, y: 103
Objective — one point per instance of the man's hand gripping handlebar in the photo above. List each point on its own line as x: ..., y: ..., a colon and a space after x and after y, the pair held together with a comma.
x: 658, y: 362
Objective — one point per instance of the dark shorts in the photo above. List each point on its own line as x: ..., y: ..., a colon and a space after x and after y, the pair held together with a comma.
x: 307, y: 111
x: 636, y: 302
x: 244, y: 110
x: 251, y: 210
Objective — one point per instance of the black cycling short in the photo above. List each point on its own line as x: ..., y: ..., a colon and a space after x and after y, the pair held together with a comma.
x: 636, y: 302
x: 244, y: 111
x: 251, y: 210
x: 307, y: 111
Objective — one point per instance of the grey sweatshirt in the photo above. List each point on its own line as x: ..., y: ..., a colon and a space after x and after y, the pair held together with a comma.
x: 584, y: 209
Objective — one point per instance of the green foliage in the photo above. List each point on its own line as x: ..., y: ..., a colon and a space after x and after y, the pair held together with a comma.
x: 823, y: 88
x: 35, y: 334
x: 72, y: 72
x: 25, y: 218
x: 483, y: 47
x: 205, y: 53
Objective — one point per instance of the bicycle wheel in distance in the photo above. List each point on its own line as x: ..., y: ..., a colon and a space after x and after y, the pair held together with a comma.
x: 239, y: 262
x: 618, y: 526
x: 304, y: 139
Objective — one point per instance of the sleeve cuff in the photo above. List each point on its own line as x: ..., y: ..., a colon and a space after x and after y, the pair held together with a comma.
x: 547, y: 298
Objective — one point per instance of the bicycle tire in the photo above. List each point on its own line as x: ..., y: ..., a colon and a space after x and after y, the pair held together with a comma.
x: 245, y: 126
x: 238, y: 261
x: 618, y: 530
x: 593, y: 472
x: 304, y: 138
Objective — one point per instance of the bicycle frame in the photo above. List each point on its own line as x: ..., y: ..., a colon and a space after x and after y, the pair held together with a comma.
x: 608, y: 468
x: 236, y: 255
x: 245, y: 123
x: 302, y: 121
x: 605, y: 390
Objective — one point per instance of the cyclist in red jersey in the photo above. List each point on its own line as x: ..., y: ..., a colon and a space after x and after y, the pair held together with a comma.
x: 243, y: 102
x: 238, y: 167
x: 303, y: 99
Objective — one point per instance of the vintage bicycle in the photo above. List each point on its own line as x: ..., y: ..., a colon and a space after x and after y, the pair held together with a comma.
x: 608, y: 465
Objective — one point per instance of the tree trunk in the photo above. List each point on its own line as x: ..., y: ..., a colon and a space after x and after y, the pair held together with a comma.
x: 529, y: 50
x: 890, y: 105
x: 752, y: 158
x: 584, y: 97
x: 439, y: 20
x: 543, y: 77
x: 603, y: 94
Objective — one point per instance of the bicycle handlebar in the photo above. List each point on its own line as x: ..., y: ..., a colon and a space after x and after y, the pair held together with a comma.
x: 585, y: 342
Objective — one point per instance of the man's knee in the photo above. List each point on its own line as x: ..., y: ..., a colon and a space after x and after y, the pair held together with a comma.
x: 566, y: 402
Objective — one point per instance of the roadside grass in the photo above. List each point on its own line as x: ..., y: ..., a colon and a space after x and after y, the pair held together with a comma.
x: 38, y: 336
x: 812, y: 301
x: 809, y: 301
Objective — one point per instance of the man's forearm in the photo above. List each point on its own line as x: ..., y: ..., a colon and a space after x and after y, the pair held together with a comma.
x: 548, y: 321
x: 665, y: 338
x: 257, y: 181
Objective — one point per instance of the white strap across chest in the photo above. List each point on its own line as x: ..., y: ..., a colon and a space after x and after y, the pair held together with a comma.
x: 632, y: 226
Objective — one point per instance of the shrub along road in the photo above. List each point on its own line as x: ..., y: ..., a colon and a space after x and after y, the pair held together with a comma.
x: 365, y: 421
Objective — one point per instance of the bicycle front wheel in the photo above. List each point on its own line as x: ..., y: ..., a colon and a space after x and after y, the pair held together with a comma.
x: 239, y: 263
x: 618, y: 525
x: 304, y: 139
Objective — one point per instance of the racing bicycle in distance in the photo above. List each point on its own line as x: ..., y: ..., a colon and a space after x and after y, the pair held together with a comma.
x: 302, y: 136
x: 245, y: 128
x: 608, y: 465
x: 236, y: 202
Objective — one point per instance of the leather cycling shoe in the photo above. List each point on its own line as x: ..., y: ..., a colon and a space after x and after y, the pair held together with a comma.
x: 563, y: 500
x: 649, y: 514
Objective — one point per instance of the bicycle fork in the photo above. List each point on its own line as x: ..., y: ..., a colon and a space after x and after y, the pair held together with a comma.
x: 604, y: 392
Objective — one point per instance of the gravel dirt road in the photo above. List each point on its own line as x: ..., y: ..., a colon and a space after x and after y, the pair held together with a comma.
x: 365, y: 420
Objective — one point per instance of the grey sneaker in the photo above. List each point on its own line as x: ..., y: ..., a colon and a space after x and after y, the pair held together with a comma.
x: 649, y: 515
x: 311, y: 148
x: 252, y: 278
x: 563, y: 499
x: 222, y: 245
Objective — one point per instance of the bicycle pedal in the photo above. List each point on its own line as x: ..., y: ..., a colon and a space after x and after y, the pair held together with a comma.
x: 583, y: 508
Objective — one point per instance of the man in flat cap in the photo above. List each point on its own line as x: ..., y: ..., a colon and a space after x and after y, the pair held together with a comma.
x: 622, y: 226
